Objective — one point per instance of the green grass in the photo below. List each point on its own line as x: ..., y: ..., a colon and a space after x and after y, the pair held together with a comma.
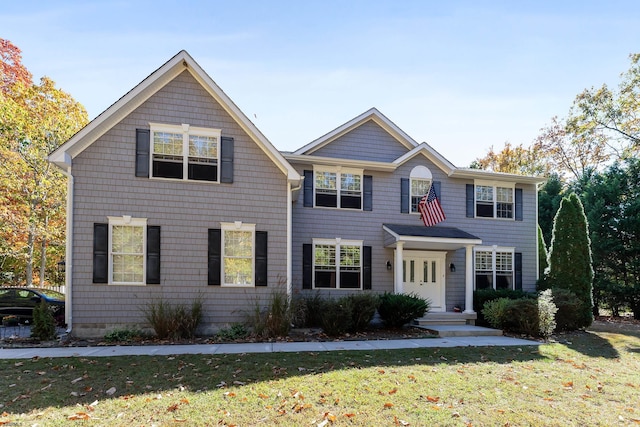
x: 587, y: 379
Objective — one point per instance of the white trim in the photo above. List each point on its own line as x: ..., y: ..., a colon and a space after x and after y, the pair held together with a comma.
x: 495, y: 185
x: 419, y: 173
x: 127, y: 220
x: 337, y: 242
x: 426, y: 150
x: 334, y: 161
x: 238, y: 226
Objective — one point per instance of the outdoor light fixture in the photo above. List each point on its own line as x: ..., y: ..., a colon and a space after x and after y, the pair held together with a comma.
x: 389, y: 265
x: 452, y: 267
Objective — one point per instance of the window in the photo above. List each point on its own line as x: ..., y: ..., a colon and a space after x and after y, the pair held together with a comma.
x: 494, y: 268
x: 420, y: 182
x: 185, y: 152
x: 238, y: 254
x: 127, y: 254
x: 337, y: 264
x: 493, y: 201
x: 338, y: 188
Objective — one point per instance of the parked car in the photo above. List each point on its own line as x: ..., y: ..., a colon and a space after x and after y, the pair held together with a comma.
x: 20, y: 302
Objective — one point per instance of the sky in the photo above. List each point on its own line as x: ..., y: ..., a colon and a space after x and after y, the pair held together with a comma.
x: 462, y: 76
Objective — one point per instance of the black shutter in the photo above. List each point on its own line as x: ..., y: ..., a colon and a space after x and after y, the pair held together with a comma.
x: 437, y: 186
x: 367, y: 202
x: 261, y: 258
x: 307, y: 266
x: 100, y: 253
x: 153, y: 254
x: 214, y: 253
x: 470, y: 201
x: 226, y: 159
x: 518, y: 204
x: 404, y: 195
x: 308, y: 189
x: 366, y: 267
x: 517, y: 263
x: 142, y: 152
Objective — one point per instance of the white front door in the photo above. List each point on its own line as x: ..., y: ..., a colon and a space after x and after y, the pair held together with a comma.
x: 423, y: 274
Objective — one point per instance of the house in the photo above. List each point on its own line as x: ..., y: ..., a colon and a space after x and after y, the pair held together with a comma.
x: 174, y: 193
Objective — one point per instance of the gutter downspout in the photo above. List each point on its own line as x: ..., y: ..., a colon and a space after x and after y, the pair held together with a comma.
x: 68, y: 312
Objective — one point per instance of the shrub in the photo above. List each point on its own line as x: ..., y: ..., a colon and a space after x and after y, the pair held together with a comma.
x: 363, y: 308
x: 567, y: 317
x: 495, y: 312
x: 522, y: 316
x: 122, y: 335
x: 547, y: 310
x: 482, y: 296
x: 337, y: 317
x: 397, y: 310
x: 44, y: 325
x: 314, y: 307
x: 173, y: 321
x: 234, y: 332
x: 274, y: 320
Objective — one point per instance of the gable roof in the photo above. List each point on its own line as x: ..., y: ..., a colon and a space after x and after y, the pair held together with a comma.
x: 182, y: 61
x: 431, y: 154
x: 371, y: 114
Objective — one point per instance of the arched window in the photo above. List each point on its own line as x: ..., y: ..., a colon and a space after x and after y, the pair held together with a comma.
x: 420, y: 182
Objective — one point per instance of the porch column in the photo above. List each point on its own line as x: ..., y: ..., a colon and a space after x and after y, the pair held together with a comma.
x: 397, y: 282
x: 468, y: 280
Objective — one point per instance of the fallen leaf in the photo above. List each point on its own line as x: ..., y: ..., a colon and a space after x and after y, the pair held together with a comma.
x: 173, y: 408
x: 433, y: 399
x: 393, y: 391
x: 388, y: 405
x: 79, y: 416
x: 111, y: 391
x: 350, y: 415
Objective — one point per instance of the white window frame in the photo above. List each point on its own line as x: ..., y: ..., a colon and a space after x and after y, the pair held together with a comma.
x: 238, y: 226
x: 494, y: 250
x: 337, y: 243
x: 418, y: 173
x: 128, y: 221
x: 186, y: 131
x: 338, y: 171
x: 494, y: 201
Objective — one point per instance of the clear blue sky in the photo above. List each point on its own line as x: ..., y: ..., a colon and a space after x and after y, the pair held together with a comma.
x: 460, y: 75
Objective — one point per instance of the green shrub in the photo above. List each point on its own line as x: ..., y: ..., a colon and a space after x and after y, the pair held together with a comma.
x: 337, y: 317
x: 44, y: 324
x: 522, y: 317
x: 274, y: 320
x: 122, y: 335
x: 397, y: 310
x: 547, y: 310
x: 363, y: 308
x: 495, y: 312
x: 482, y: 296
x: 173, y: 321
x: 567, y: 317
x: 234, y: 332
x: 314, y: 307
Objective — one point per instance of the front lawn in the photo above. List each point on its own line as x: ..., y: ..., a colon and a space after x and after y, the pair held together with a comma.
x: 584, y: 379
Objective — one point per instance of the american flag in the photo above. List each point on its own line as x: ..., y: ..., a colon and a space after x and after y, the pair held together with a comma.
x: 430, y: 209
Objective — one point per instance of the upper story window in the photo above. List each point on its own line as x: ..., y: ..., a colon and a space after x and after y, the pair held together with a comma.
x: 338, y: 187
x: 494, y: 201
x: 185, y: 152
x: 421, y: 180
x: 494, y: 268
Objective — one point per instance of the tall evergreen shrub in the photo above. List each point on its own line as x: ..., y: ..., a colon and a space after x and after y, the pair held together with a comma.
x: 570, y: 265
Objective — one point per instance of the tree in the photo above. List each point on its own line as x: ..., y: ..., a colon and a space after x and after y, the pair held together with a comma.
x: 570, y: 264
x: 516, y: 160
x: 11, y: 68
x: 36, y: 119
x: 549, y: 197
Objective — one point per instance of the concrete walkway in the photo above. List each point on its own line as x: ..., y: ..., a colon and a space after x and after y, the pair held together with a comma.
x: 276, y: 347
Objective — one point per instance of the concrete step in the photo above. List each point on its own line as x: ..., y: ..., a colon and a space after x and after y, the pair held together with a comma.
x: 461, y: 330
x: 446, y: 318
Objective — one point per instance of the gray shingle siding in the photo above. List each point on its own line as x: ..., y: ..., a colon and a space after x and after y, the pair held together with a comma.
x: 105, y: 185
x: 366, y: 142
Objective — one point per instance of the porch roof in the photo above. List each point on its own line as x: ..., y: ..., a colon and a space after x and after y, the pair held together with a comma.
x: 428, y: 238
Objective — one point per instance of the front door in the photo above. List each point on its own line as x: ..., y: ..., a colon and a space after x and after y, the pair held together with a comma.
x: 423, y: 274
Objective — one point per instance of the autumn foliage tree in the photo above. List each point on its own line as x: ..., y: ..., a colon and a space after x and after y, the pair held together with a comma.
x: 34, y: 120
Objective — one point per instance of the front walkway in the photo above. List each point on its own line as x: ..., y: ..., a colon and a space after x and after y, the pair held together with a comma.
x: 276, y: 347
